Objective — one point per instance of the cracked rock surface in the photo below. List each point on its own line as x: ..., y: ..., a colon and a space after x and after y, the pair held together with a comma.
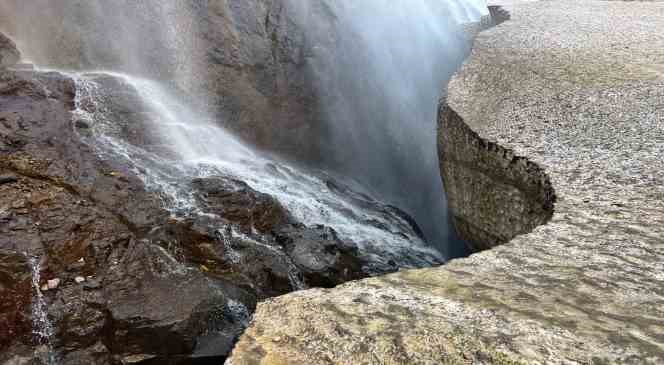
x: 577, y: 87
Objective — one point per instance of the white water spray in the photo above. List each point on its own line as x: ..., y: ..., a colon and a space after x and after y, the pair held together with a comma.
x: 381, y: 78
x: 197, y: 149
x: 387, y: 61
x: 42, y: 328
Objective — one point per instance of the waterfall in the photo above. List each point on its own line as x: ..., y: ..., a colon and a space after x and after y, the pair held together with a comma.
x: 156, y: 39
x: 379, y: 81
x: 42, y: 328
x: 191, y: 145
x: 381, y: 77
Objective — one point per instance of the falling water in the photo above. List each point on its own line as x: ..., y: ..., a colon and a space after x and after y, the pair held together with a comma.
x: 379, y: 81
x: 42, y: 328
x: 381, y: 78
x: 192, y: 146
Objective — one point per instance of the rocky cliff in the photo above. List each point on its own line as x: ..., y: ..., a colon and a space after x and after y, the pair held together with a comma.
x: 252, y: 56
x: 117, y: 271
x: 95, y: 266
x: 565, y: 96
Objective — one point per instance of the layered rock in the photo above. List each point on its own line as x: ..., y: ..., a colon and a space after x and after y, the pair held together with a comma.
x: 494, y: 195
x: 575, y: 89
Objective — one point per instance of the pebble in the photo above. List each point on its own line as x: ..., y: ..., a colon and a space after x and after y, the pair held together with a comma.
x: 8, y: 179
x: 79, y: 279
x: 53, y: 283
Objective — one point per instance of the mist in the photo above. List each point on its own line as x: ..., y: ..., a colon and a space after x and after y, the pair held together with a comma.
x: 379, y: 68
x: 380, y: 84
x: 152, y: 38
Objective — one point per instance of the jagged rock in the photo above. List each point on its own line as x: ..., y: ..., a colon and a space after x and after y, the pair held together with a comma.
x: 9, y: 54
x: 235, y: 201
x: 322, y: 258
x: 157, y: 287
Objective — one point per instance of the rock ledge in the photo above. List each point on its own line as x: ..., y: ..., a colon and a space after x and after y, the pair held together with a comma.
x: 577, y: 87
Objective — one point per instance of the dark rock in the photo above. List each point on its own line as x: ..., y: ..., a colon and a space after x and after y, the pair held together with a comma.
x: 323, y: 259
x: 235, y: 201
x: 8, y: 179
x: 81, y: 124
x: 16, y: 293
x: 157, y: 289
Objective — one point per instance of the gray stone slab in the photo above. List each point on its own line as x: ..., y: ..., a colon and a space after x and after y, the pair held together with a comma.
x: 576, y: 87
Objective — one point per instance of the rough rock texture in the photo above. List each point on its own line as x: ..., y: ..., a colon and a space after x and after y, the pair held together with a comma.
x: 135, y: 283
x: 9, y: 55
x: 576, y: 87
x: 493, y: 194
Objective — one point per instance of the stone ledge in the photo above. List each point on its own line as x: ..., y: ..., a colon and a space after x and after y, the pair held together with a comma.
x: 577, y: 87
x: 493, y: 194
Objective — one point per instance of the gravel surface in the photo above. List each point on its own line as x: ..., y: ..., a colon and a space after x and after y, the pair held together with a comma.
x: 578, y: 88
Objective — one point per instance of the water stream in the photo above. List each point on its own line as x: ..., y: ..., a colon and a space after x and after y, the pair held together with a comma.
x: 381, y: 80
x: 42, y: 328
x: 189, y: 145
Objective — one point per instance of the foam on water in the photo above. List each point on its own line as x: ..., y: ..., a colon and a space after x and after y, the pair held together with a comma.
x: 42, y: 328
x: 202, y: 149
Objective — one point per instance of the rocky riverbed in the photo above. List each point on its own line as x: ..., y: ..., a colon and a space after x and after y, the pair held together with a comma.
x: 564, y: 100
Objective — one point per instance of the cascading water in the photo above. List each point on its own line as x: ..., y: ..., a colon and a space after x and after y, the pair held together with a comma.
x: 387, y: 65
x: 42, y: 328
x: 191, y: 146
x: 381, y: 78
x: 141, y: 96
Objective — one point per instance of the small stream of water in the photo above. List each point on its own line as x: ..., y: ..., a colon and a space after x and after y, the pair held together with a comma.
x: 42, y: 328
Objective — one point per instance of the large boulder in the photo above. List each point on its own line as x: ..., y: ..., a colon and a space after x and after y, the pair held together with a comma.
x: 129, y: 281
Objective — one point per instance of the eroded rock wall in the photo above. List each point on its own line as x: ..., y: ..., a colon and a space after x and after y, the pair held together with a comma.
x: 493, y: 194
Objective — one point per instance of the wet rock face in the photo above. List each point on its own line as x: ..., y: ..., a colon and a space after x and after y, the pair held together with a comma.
x: 134, y: 284
x: 15, y: 286
x: 9, y: 55
x: 259, y: 65
x: 248, y: 55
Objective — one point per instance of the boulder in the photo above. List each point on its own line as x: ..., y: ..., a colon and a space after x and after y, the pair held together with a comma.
x: 322, y: 258
x: 156, y: 287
